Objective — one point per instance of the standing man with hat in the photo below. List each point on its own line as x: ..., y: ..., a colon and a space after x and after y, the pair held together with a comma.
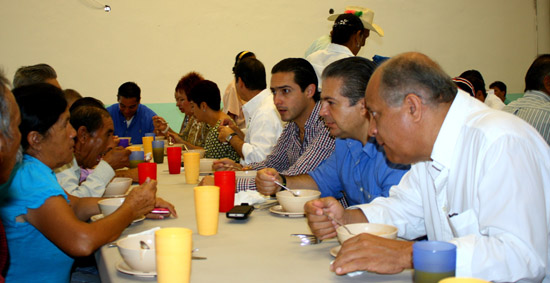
x: 348, y: 35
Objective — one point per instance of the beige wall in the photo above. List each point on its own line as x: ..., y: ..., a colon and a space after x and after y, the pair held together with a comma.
x: 155, y: 42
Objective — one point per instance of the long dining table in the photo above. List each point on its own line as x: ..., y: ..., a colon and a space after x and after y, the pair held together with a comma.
x: 258, y: 249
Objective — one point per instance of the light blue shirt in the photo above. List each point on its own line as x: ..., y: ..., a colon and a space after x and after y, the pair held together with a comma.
x: 362, y: 172
x: 33, y: 258
x: 141, y: 123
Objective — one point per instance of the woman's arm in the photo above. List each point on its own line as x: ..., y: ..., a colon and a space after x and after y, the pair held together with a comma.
x: 58, y: 220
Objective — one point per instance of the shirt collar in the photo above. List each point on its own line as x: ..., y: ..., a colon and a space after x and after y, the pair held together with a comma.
x: 314, y: 116
x: 254, y: 104
x: 337, y: 48
x: 538, y: 94
x: 446, y: 142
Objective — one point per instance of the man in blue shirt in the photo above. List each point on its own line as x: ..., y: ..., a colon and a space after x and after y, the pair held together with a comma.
x: 131, y: 119
x: 358, y: 170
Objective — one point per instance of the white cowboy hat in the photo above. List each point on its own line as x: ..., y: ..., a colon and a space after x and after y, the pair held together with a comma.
x: 365, y: 14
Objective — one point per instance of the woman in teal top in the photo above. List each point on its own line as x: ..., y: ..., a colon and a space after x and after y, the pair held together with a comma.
x: 45, y: 227
x: 205, y: 99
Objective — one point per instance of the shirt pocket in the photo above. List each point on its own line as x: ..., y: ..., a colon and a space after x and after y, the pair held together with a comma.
x: 465, y: 223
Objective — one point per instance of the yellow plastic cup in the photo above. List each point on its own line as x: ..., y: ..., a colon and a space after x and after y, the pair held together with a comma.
x: 148, y: 145
x: 191, y: 163
x: 207, y: 203
x: 134, y: 148
x: 173, y: 254
x: 462, y: 280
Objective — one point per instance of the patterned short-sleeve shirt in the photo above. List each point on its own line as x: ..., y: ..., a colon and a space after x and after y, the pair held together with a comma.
x: 215, y: 149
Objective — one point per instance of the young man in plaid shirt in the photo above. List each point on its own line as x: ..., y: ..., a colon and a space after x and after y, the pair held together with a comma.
x: 305, y: 142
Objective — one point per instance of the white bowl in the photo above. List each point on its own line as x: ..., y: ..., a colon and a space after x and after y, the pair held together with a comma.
x: 200, y: 151
x: 206, y: 165
x: 381, y: 230
x: 135, y: 257
x: 249, y: 174
x: 108, y: 206
x: 291, y: 203
x: 118, y: 186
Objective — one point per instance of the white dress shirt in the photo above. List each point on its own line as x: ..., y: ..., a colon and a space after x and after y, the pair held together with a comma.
x: 263, y: 127
x: 322, y: 58
x: 68, y: 176
x: 486, y: 190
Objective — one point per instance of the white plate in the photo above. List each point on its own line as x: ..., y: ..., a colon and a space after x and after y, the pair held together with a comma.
x: 278, y: 209
x: 334, y: 251
x: 100, y: 216
x: 124, y: 268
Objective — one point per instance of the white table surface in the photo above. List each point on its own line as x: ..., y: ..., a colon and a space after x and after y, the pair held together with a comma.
x: 259, y: 249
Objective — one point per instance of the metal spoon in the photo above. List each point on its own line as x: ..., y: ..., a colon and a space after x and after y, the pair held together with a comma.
x: 339, y: 223
x: 291, y: 191
x: 170, y: 140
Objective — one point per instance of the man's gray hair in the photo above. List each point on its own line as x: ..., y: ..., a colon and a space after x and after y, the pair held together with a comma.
x: 415, y: 73
x: 4, y: 107
x: 355, y: 73
x: 38, y: 73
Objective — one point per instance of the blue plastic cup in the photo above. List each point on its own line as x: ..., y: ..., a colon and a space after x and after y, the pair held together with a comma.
x: 433, y: 261
x: 136, y: 157
x: 158, y: 151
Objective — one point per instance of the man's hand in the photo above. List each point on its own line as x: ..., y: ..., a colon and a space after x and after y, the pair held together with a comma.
x: 265, y: 181
x: 226, y: 164
x: 316, y: 213
x: 142, y: 198
x: 207, y: 181
x: 160, y: 125
x: 118, y: 157
x: 163, y: 204
x: 129, y: 173
x: 223, y: 133
x: 372, y: 253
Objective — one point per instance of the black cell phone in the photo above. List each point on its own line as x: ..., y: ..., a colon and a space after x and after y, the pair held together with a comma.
x: 240, y: 211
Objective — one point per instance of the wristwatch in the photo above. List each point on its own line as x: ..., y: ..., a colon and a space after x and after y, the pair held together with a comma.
x: 228, y: 138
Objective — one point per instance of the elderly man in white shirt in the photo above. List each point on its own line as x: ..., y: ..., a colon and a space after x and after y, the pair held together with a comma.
x: 93, y: 148
x: 461, y: 187
x: 263, y: 122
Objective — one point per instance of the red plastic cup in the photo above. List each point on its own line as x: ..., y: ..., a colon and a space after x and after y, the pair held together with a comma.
x: 226, y: 181
x: 145, y: 170
x: 174, y: 159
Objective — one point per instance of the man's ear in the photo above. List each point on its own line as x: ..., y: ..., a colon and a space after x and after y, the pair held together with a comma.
x: 362, y: 107
x: 413, y: 106
x: 310, y: 91
x: 82, y: 134
x: 239, y: 82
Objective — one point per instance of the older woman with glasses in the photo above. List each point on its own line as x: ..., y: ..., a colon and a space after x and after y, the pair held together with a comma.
x: 45, y: 227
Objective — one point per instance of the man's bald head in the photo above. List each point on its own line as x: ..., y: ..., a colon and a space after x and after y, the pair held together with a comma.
x: 415, y: 73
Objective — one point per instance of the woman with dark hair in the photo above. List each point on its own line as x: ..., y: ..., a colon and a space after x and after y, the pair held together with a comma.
x: 232, y: 104
x: 45, y: 227
x: 205, y: 100
x: 192, y: 132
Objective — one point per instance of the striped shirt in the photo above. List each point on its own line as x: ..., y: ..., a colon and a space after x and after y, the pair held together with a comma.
x: 291, y: 157
x: 533, y: 107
